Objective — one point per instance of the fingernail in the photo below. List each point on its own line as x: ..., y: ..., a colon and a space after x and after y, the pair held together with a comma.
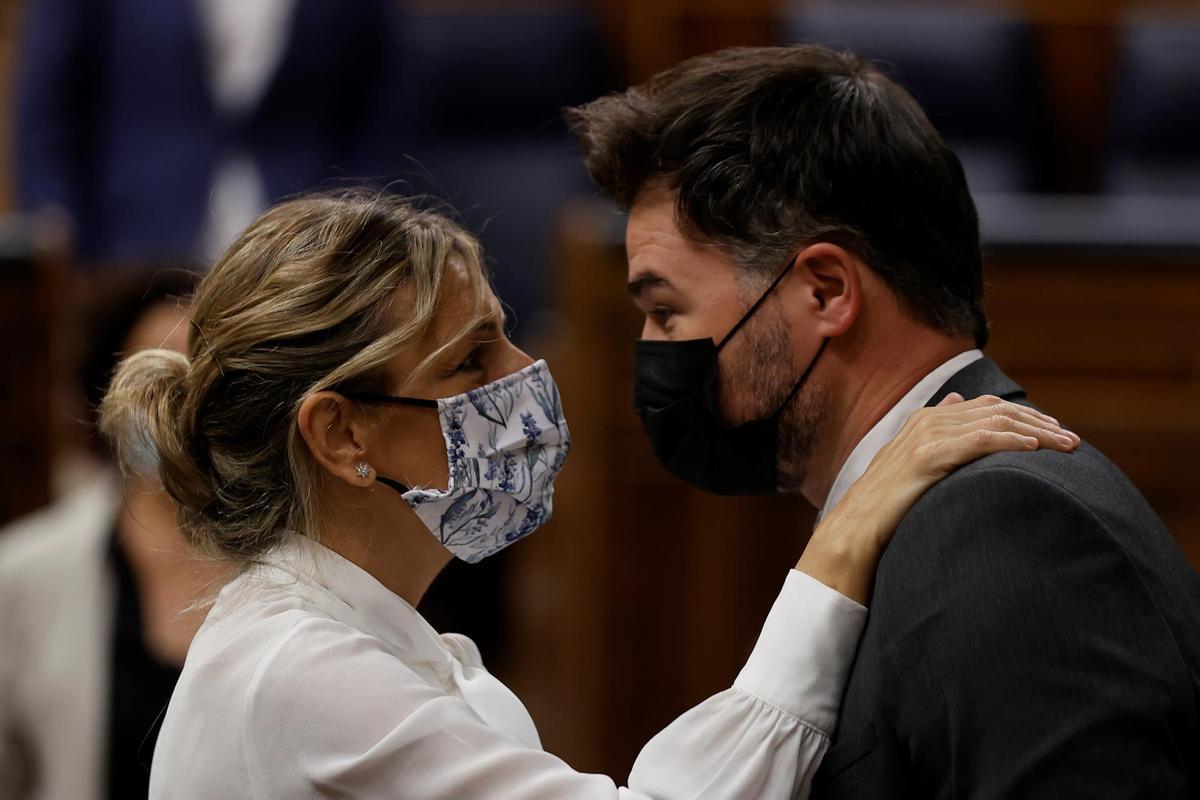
x: 1066, y: 439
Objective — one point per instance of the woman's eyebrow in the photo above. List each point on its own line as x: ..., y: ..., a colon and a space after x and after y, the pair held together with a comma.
x: 492, y: 325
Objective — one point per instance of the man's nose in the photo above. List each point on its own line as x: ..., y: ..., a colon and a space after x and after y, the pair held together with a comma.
x: 652, y: 332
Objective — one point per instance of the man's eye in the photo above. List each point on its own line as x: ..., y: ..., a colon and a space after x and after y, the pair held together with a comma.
x: 660, y: 315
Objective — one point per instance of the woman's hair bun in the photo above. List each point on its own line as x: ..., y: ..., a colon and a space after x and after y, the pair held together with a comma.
x: 142, y: 417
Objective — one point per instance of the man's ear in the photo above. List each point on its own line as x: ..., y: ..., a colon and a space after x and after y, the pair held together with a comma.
x: 828, y: 278
x: 337, y: 434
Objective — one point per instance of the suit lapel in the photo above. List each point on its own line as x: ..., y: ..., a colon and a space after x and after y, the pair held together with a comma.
x: 979, y: 378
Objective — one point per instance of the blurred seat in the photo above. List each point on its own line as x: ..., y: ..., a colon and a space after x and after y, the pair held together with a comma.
x: 972, y: 70
x: 489, y: 89
x: 1155, y: 134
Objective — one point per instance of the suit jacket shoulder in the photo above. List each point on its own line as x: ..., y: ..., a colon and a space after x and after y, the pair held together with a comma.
x: 1034, y: 632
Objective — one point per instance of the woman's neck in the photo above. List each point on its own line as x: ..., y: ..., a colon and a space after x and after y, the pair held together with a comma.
x: 171, y: 580
x: 385, y: 538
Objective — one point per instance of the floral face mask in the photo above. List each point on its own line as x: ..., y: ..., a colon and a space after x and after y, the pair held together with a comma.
x: 505, y: 442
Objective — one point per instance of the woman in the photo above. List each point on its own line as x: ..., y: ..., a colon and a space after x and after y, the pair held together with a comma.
x: 348, y: 382
x: 92, y: 637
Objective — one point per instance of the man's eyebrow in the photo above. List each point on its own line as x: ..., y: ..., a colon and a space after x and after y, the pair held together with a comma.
x: 644, y: 281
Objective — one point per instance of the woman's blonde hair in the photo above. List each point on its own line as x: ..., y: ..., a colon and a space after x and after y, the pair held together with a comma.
x: 306, y: 300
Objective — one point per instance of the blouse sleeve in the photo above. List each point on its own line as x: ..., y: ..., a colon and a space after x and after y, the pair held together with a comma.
x: 762, y: 738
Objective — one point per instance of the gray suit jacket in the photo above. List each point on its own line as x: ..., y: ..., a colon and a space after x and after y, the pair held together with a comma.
x: 1034, y: 633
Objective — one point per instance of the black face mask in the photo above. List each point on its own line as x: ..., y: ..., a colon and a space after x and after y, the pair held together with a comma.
x: 675, y: 393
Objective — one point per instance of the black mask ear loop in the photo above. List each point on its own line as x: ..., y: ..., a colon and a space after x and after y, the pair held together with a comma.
x: 746, y: 317
x: 757, y: 304
x: 800, y: 383
x: 391, y: 484
x: 368, y: 397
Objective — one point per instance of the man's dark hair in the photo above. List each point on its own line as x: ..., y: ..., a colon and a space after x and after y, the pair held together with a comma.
x: 773, y: 147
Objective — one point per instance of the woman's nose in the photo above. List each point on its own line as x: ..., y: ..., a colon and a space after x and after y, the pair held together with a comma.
x: 512, y: 359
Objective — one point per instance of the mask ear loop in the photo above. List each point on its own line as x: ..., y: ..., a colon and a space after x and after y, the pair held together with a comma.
x: 368, y: 397
x: 711, y: 381
x: 391, y: 484
x: 420, y: 402
x: 757, y: 303
x: 804, y: 377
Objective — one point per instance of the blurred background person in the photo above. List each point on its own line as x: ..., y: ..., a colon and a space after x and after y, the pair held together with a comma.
x: 162, y: 129
x: 95, y: 591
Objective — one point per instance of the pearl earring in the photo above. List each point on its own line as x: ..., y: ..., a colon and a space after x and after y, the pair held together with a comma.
x: 363, y: 470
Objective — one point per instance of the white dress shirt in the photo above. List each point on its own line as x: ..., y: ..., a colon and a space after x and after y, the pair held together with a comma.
x: 311, y: 679
x: 244, y: 43
x: 889, y: 426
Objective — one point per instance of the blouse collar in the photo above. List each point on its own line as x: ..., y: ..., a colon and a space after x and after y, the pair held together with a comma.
x: 355, y: 597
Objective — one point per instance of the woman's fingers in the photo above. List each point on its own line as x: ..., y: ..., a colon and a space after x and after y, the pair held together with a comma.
x: 1007, y: 407
x: 1046, y: 435
x: 993, y: 434
x: 986, y: 405
x: 983, y: 442
x: 989, y: 411
x: 950, y: 435
x: 932, y: 444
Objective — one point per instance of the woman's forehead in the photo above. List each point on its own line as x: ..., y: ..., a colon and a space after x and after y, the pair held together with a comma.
x: 465, y: 299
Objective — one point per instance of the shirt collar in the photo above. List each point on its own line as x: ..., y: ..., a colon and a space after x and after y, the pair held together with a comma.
x: 353, y: 596
x: 890, y: 424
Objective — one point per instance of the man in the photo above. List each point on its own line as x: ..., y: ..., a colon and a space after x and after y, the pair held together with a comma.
x: 806, y: 253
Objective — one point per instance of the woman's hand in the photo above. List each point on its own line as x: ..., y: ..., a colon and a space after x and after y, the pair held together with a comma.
x: 845, y: 548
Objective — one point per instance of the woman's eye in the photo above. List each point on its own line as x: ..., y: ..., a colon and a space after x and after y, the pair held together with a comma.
x: 471, y: 362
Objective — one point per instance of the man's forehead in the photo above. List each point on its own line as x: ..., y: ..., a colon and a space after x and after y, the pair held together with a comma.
x: 653, y: 242
x: 652, y: 217
x: 659, y: 254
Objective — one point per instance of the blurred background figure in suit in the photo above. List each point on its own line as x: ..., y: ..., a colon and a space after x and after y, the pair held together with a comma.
x: 162, y: 129
x: 96, y: 591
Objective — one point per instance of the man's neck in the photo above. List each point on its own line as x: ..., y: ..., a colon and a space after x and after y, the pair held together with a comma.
x: 868, y: 393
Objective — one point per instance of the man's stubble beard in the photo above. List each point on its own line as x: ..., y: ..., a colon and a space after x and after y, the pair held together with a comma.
x: 767, y: 376
x: 799, y: 428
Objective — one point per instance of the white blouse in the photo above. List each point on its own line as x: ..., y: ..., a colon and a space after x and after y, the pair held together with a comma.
x: 311, y: 679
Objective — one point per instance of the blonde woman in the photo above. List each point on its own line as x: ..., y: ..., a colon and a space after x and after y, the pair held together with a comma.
x: 349, y: 417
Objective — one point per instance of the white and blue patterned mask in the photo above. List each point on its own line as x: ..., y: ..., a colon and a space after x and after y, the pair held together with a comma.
x: 505, y: 442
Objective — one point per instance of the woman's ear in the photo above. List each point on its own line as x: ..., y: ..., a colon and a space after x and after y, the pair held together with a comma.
x: 830, y: 279
x: 337, y: 434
